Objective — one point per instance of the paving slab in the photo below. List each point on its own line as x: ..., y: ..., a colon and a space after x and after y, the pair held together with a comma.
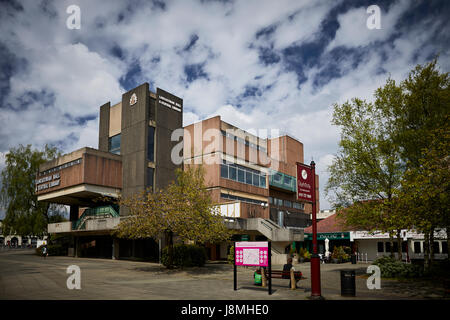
x: 24, y: 275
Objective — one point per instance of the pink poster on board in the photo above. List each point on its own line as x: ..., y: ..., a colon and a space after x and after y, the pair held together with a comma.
x: 252, y: 253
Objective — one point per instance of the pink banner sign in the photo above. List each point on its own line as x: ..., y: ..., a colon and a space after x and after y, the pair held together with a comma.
x: 304, y: 182
x: 252, y: 253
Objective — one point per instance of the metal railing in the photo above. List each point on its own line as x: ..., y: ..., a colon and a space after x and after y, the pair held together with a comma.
x: 95, y: 213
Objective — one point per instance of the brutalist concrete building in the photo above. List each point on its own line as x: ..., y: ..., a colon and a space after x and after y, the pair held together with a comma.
x: 134, y: 153
x: 251, y: 180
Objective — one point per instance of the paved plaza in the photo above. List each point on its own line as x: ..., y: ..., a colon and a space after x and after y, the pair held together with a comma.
x: 24, y: 275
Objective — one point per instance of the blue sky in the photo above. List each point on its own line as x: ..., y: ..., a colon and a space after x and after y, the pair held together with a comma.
x: 259, y: 64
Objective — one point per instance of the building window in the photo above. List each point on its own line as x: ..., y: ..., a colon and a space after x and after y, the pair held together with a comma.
x: 395, y: 246
x: 380, y: 246
x: 262, y: 180
x: 232, y: 173
x: 256, y: 180
x: 287, y: 180
x: 444, y: 247
x: 416, y: 247
x: 150, y: 177
x: 248, y: 177
x: 300, y: 206
x: 224, y: 171
x: 151, y: 144
x: 436, y: 247
x: 288, y: 203
x: 242, y: 174
x: 248, y: 200
x: 277, y: 177
x: 270, y: 200
x: 388, y: 247
x: 114, y: 144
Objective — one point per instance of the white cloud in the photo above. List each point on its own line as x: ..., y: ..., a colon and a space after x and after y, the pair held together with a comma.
x: 81, y: 80
x: 88, y: 135
x: 353, y: 30
x: 304, y: 25
x: 79, y: 69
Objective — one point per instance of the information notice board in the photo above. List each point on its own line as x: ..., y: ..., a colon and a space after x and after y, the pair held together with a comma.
x: 253, y: 253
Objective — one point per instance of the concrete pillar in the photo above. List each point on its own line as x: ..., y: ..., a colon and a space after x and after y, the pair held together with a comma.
x: 74, y: 212
x: 115, y: 253
x: 77, y: 247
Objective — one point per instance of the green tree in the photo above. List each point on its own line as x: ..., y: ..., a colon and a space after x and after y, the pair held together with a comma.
x: 426, y: 190
x: 184, y: 209
x: 367, y: 171
x: 419, y: 106
x: 24, y: 214
x: 391, y: 167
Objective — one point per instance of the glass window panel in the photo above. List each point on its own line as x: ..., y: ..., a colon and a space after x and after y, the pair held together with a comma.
x: 256, y: 180
x: 114, y: 144
x: 241, y: 176
x: 277, y: 177
x: 444, y: 247
x: 287, y: 180
x: 388, y: 247
x: 248, y: 177
x: 233, y: 173
x: 380, y: 246
x: 416, y: 247
x: 224, y: 171
x: 395, y: 246
x: 262, y: 181
x: 436, y: 247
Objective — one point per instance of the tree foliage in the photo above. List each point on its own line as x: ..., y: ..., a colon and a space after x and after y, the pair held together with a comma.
x: 24, y: 214
x: 391, y: 170
x: 367, y: 169
x: 184, y: 209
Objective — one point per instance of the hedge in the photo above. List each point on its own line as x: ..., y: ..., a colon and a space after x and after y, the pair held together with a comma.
x: 185, y: 255
x: 393, y: 268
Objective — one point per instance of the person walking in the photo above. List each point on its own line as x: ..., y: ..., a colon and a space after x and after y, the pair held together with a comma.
x: 45, y: 251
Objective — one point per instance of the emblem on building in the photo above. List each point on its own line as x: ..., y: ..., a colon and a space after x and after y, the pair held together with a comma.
x: 133, y: 99
x: 304, y: 174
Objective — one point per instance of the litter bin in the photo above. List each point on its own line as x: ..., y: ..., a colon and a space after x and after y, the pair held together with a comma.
x: 353, y: 258
x: 348, y: 286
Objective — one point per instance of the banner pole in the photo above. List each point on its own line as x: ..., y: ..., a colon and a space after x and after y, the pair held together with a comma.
x: 269, y: 256
x: 235, y: 270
